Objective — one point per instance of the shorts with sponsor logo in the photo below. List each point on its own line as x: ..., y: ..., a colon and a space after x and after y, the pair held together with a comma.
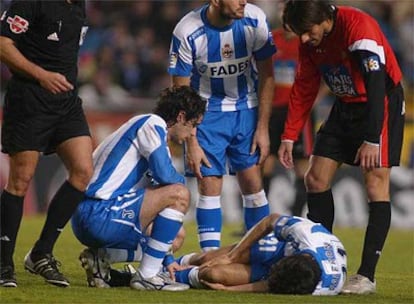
x: 341, y: 134
x: 110, y: 223
x: 35, y: 119
x: 226, y: 138
x: 303, y: 146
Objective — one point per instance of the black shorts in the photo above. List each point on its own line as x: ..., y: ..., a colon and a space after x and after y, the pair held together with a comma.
x: 35, y: 119
x: 303, y: 146
x: 340, y: 135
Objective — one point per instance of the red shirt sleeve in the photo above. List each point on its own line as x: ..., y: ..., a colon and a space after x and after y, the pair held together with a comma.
x: 303, y: 94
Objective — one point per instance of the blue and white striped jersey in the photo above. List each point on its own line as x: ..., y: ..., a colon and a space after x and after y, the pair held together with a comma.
x: 131, y: 157
x: 304, y: 236
x: 296, y: 235
x: 221, y: 61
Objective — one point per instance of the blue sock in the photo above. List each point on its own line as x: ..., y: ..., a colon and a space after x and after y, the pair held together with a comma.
x: 164, y: 230
x: 181, y: 276
x: 256, y: 208
x: 209, y: 220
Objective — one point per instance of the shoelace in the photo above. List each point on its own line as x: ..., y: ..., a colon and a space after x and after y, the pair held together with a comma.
x: 49, y: 263
x: 98, y: 261
x: 355, y: 279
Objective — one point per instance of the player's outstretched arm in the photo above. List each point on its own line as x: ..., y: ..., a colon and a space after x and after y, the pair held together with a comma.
x: 262, y: 228
x: 260, y: 286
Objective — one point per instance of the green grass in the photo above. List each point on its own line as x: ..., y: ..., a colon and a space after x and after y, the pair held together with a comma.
x: 395, y: 274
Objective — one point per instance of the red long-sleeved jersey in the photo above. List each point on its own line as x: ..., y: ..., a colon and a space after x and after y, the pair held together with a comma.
x: 353, y: 31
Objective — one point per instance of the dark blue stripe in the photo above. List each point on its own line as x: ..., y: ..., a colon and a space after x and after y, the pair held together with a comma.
x: 250, y: 22
x: 130, y: 257
x: 319, y: 228
x: 240, y: 48
x: 214, y: 55
x: 155, y: 253
x: 175, y: 44
x: 210, y: 243
x: 160, y: 163
x: 169, y: 229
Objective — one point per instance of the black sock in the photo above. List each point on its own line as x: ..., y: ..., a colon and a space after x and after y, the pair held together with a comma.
x: 321, y: 208
x: 378, y: 225
x: 11, y: 209
x: 119, y: 278
x: 61, y: 208
x: 266, y: 184
x: 300, y: 197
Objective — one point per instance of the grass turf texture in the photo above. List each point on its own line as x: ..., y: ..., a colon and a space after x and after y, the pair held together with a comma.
x: 395, y: 274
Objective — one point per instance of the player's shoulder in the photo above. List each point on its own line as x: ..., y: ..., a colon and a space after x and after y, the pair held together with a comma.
x: 154, y: 119
x: 253, y: 11
x: 190, y: 21
x: 147, y: 120
x: 352, y: 16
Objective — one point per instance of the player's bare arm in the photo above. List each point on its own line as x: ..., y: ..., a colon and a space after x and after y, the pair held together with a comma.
x: 260, y: 286
x: 262, y: 228
x: 195, y: 156
x: 240, y: 253
x: 265, y: 95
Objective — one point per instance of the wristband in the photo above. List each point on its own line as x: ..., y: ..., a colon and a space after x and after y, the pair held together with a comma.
x: 168, y: 260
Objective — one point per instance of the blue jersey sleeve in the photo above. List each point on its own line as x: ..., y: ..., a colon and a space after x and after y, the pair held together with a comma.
x: 152, y: 139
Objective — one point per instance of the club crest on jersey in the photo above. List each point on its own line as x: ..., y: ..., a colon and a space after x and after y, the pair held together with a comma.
x: 227, y: 51
x: 371, y: 64
x: 18, y: 24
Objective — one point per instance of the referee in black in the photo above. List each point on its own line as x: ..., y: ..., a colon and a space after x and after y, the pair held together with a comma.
x: 39, y: 42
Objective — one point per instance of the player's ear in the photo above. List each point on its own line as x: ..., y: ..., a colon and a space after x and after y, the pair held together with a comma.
x: 215, y: 2
x: 181, y: 116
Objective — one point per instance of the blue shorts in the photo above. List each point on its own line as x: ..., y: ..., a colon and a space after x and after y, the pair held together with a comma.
x: 226, y: 138
x: 263, y: 254
x: 110, y: 223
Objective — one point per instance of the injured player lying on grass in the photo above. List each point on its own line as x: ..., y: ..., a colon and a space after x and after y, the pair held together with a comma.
x: 281, y: 254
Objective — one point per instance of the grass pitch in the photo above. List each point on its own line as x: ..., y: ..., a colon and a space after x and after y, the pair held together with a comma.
x: 395, y: 274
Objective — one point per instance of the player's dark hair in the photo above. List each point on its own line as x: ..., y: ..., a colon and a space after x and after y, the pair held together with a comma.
x: 179, y: 98
x: 296, y: 274
x: 299, y: 16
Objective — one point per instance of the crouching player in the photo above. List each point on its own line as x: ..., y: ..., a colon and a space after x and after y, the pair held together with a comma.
x: 135, y: 186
